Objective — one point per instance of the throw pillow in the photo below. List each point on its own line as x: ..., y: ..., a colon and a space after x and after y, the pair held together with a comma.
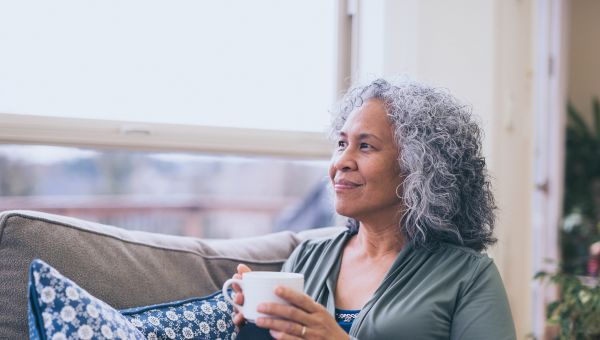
x: 59, y: 309
x: 208, y: 317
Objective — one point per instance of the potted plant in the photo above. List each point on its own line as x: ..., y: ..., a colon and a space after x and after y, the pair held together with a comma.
x: 576, y: 313
x: 581, y: 226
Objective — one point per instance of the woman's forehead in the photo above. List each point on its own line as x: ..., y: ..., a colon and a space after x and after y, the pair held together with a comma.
x: 370, y: 118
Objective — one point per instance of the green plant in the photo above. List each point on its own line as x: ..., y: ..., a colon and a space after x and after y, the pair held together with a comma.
x: 581, y: 225
x: 577, y: 311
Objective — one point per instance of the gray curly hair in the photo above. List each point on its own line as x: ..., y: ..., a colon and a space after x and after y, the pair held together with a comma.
x: 446, y: 191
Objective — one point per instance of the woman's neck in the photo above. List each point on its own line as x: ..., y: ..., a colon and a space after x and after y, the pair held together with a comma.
x: 378, y: 241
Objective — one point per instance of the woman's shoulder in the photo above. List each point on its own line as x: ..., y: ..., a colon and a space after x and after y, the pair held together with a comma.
x: 459, y: 251
x: 452, y: 257
x: 323, y: 241
x: 459, y: 269
x: 312, y: 250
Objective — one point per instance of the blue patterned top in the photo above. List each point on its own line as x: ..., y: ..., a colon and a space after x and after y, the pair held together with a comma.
x: 345, y: 318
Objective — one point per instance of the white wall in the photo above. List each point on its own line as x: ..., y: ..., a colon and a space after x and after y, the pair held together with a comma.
x: 482, y: 52
x: 513, y: 154
x: 445, y: 43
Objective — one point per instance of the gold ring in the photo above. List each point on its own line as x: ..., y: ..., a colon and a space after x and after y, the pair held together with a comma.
x: 303, y: 331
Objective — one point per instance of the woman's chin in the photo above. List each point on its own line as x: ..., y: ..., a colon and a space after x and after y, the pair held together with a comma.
x: 345, y: 211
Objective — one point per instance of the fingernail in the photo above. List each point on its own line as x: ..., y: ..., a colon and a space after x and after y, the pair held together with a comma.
x: 278, y: 290
x: 274, y: 333
x: 260, y: 321
x: 262, y: 308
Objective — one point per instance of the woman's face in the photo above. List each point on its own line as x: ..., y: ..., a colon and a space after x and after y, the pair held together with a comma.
x: 364, y: 169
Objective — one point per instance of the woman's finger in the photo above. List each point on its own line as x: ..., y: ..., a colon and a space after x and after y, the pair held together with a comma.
x: 238, y: 319
x: 283, y: 336
x: 236, y: 288
x: 239, y: 298
x: 242, y: 268
x: 284, y: 326
x: 284, y: 311
x: 297, y: 299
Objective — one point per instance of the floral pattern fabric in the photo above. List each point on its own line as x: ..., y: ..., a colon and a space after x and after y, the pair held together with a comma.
x: 60, y: 309
x: 346, y: 316
x: 200, y: 318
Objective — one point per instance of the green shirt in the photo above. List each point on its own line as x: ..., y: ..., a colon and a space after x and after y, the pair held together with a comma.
x: 449, y: 292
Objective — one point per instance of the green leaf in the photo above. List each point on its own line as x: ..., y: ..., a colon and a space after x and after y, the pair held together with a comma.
x: 551, y: 308
x: 579, y: 125
x: 565, y: 328
x: 596, y: 106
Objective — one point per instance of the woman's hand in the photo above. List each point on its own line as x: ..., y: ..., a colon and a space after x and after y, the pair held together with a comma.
x: 238, y: 317
x: 304, y: 319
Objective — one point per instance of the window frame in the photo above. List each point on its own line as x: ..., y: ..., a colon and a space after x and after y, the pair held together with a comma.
x: 97, y: 133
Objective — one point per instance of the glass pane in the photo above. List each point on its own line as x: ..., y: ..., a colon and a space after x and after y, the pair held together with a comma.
x: 264, y: 64
x: 185, y: 194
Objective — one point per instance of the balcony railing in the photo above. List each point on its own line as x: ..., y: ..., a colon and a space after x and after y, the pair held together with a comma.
x: 191, y: 215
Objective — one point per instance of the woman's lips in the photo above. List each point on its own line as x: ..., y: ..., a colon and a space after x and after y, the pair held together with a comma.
x: 345, y: 185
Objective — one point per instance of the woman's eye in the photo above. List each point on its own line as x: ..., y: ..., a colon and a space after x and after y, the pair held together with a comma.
x: 365, y: 146
x: 341, y: 144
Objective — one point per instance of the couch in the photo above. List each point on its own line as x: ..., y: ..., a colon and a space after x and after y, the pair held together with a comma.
x: 122, y: 267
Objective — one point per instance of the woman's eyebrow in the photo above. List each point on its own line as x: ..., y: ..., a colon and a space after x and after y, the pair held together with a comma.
x: 361, y: 136
x: 367, y: 136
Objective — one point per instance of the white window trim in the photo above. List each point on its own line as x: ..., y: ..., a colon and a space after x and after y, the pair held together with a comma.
x: 95, y: 133
x: 551, y: 52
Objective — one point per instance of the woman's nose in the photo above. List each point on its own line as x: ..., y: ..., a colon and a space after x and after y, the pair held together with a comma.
x: 344, y: 161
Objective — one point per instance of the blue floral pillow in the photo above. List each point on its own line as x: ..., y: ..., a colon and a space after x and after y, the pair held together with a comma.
x: 59, y: 309
x: 209, y: 317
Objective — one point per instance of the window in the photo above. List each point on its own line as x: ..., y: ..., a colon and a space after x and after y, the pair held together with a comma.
x: 186, y: 194
x: 194, y: 118
x: 261, y: 64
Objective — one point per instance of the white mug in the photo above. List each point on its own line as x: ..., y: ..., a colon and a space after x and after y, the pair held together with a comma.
x: 259, y: 287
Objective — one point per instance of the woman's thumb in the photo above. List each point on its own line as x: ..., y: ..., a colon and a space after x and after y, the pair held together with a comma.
x: 242, y: 268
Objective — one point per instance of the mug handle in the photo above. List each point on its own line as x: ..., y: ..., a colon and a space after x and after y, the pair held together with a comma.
x: 226, y: 295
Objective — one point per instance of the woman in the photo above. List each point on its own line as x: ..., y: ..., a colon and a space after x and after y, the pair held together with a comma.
x: 408, y: 172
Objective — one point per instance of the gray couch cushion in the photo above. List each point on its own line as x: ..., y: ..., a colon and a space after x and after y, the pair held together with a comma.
x: 124, y: 268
